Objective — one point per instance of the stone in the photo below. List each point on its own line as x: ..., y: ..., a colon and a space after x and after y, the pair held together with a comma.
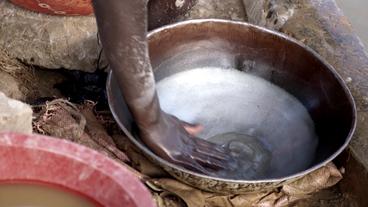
x: 55, y: 42
x: 49, y: 41
x: 10, y: 86
x: 321, y: 25
x: 272, y: 14
x: 15, y: 116
x: 69, y: 42
x: 219, y: 9
x: 24, y: 83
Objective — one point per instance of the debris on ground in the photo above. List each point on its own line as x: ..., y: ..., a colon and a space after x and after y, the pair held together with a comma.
x: 331, y: 197
x: 286, y: 195
x: 80, y: 86
x: 26, y: 83
x: 220, y: 9
x: 77, y: 123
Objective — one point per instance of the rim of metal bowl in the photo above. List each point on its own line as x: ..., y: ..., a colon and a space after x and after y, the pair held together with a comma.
x: 293, y: 176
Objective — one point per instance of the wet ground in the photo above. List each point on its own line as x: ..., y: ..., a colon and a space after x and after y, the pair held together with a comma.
x: 356, y: 11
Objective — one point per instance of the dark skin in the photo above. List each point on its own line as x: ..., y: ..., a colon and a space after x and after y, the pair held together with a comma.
x: 122, y: 27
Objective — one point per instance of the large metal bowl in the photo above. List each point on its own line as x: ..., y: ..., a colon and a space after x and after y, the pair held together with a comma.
x: 274, y: 57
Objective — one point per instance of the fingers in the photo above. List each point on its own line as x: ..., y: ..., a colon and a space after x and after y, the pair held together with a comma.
x: 212, y: 149
x: 209, y: 162
x: 200, y: 162
x: 204, y: 160
x: 207, y: 151
x: 197, y: 154
x: 193, y: 129
x: 212, y: 156
x: 190, y: 163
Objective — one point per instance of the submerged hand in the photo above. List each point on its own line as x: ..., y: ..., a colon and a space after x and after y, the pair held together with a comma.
x: 174, y: 141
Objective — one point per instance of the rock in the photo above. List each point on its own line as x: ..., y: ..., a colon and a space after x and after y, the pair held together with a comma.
x: 321, y: 25
x: 163, y: 12
x: 272, y: 14
x: 10, y: 86
x: 55, y: 42
x: 69, y: 42
x: 15, y: 116
x: 220, y: 9
x: 21, y: 82
x: 49, y: 41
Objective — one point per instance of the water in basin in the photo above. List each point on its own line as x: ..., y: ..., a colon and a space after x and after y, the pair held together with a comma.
x: 268, y: 129
x: 36, y: 195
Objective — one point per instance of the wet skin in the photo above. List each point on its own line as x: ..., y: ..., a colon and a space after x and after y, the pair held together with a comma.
x: 122, y: 26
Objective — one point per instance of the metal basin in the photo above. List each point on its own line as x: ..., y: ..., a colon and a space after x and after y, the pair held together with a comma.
x: 266, y: 57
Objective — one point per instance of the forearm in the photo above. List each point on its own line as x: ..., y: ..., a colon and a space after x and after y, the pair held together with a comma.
x: 122, y: 27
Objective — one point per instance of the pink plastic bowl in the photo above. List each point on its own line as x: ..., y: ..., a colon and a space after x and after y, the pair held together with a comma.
x: 57, y: 7
x: 34, y: 158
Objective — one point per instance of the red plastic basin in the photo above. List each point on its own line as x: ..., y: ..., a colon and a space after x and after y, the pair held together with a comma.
x: 35, y: 158
x: 57, y: 7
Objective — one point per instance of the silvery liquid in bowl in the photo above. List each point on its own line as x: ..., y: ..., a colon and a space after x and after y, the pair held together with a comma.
x: 267, y: 129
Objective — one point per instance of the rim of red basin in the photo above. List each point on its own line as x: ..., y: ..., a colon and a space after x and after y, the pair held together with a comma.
x: 61, y: 7
x: 42, y: 159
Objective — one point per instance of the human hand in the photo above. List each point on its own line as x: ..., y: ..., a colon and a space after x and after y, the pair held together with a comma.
x: 175, y: 141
